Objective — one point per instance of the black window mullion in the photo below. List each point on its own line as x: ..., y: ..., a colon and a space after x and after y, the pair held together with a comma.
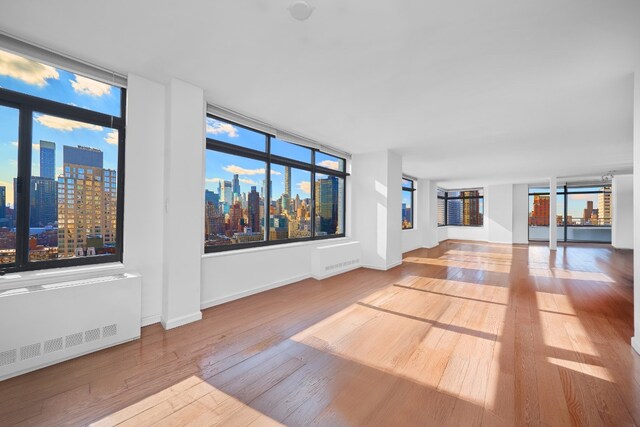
x: 267, y: 191
x: 313, y: 194
x: 23, y: 187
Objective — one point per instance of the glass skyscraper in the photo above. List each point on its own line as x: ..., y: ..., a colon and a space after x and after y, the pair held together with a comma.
x: 47, y: 159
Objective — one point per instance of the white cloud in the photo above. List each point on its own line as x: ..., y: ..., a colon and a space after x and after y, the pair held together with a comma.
x: 65, y: 125
x: 273, y: 172
x: 242, y: 171
x: 331, y: 164
x: 216, y: 127
x: 24, y: 69
x: 304, y: 186
x: 112, y: 137
x: 35, y: 146
x: 213, y: 180
x: 14, y: 143
x: 85, y: 86
x: 248, y: 181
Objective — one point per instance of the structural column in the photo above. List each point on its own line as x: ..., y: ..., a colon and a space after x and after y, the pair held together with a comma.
x: 184, y: 203
x: 553, y: 208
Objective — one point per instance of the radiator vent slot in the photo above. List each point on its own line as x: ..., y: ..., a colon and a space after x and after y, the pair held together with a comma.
x: 109, y: 331
x: 29, y: 351
x: 342, y: 264
x: 53, y: 345
x: 8, y: 357
x: 92, y: 335
x: 73, y: 339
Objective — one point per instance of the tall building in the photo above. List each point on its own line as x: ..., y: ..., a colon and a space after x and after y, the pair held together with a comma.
x: 586, y: 216
x: 540, y: 213
x: 87, y: 203
x: 287, y: 181
x: 226, y: 195
x: 211, y: 197
x: 471, y: 212
x: 235, y: 188
x: 253, y: 210
x: 604, y: 208
x: 327, y: 205
x: 85, y: 156
x: 43, y: 200
x: 3, y: 202
x: 454, y: 212
x: 236, y: 218
x: 47, y: 159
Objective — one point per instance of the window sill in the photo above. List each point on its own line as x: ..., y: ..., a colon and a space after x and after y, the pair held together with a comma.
x: 276, y: 247
x: 38, y: 277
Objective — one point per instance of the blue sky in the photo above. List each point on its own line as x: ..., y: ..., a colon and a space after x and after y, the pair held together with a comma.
x: 220, y: 166
x: 23, y: 75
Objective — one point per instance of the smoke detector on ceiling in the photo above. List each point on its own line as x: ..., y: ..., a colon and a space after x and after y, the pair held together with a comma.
x: 608, y: 177
x: 300, y: 10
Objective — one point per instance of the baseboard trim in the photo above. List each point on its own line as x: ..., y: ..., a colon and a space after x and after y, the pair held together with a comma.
x: 182, y: 320
x: 376, y: 267
x: 217, y: 301
x: 635, y: 343
x: 150, y: 320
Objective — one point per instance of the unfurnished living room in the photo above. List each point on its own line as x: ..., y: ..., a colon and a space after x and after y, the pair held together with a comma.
x: 332, y: 213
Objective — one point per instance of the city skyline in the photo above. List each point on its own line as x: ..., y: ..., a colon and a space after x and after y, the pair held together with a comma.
x: 33, y: 78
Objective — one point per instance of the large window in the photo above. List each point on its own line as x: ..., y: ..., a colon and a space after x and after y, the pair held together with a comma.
x: 407, y: 203
x: 303, y: 198
x: 583, y: 213
x: 461, y: 207
x: 61, y: 153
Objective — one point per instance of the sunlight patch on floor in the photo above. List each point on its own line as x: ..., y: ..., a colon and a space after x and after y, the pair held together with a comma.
x: 561, y: 273
x: 192, y: 400
x: 583, y: 368
x: 473, y: 265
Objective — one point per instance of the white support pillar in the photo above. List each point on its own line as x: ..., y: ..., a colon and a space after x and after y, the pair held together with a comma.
x: 553, y: 208
x: 635, y: 341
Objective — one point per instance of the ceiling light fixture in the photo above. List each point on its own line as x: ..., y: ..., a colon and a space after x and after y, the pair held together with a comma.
x: 300, y: 10
x: 608, y: 177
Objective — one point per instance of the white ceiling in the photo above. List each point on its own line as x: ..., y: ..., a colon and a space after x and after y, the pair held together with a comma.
x: 467, y: 91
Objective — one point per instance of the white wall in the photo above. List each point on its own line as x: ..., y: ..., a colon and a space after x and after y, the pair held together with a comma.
x: 429, y: 222
x: 622, y: 212
x: 499, y: 215
x: 377, y: 186
x: 635, y: 341
x: 520, y: 214
x: 144, y: 196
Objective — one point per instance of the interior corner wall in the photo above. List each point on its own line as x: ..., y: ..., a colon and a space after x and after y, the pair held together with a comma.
x: 499, y: 215
x: 520, y: 214
x: 622, y: 212
x: 184, y: 203
x: 377, y: 196
x: 144, y: 198
x: 429, y: 222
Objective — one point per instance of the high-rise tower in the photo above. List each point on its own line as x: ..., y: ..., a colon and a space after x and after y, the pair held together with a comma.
x: 47, y: 159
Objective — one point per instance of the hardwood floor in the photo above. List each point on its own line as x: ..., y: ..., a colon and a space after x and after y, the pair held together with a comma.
x: 462, y: 334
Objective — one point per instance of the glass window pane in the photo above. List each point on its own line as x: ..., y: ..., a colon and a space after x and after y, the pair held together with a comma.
x: 33, y: 78
x: 235, y: 134
x: 234, y: 199
x: 407, y: 209
x: 330, y: 162
x: 329, y: 192
x: 71, y: 214
x: 290, y: 207
x: 290, y: 151
x: 9, y: 118
x: 465, y: 211
x: 407, y: 183
x: 441, y: 221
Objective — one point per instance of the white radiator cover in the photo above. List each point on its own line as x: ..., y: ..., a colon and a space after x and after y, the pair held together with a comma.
x: 46, y: 324
x: 332, y: 259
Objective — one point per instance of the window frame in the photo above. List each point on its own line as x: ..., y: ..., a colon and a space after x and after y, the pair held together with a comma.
x: 266, y: 156
x: 446, y: 199
x: 566, y: 192
x: 410, y: 190
x: 27, y: 105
